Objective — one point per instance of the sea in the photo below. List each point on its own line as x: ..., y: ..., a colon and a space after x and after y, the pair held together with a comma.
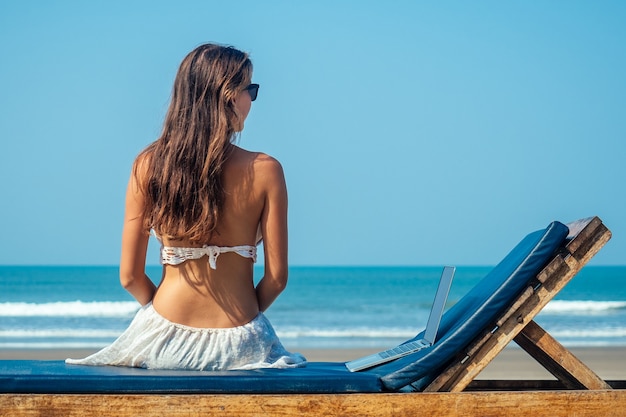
x: 84, y: 307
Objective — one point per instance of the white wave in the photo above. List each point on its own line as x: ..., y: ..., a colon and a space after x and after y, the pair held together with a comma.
x: 374, y: 333
x: 52, y: 345
x: 293, y: 334
x: 70, y: 309
x: 608, y: 332
x: 60, y: 333
x: 580, y: 306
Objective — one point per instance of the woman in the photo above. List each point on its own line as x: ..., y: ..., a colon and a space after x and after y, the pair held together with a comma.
x: 209, y: 202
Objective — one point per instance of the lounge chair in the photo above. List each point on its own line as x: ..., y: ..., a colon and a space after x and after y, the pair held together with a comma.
x: 499, y: 309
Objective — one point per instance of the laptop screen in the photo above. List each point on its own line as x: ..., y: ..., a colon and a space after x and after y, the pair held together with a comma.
x: 436, y: 311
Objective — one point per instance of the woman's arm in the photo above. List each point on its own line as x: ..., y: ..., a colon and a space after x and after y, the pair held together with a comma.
x: 135, y: 245
x: 274, y: 229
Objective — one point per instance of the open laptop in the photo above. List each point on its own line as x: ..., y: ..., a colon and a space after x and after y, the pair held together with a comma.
x: 430, y: 333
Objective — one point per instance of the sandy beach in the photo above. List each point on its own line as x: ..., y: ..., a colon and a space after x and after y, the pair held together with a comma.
x: 513, y: 363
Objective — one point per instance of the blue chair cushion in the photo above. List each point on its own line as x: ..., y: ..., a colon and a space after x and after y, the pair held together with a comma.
x: 29, y: 376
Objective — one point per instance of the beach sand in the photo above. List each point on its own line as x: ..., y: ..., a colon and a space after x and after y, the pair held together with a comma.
x: 512, y: 363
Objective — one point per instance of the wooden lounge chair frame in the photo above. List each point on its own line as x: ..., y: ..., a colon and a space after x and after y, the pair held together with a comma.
x: 517, y: 322
x: 578, y: 391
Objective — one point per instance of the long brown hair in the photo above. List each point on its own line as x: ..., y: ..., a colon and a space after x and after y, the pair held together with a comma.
x: 183, y: 182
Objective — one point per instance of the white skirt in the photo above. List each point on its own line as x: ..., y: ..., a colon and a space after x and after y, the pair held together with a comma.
x: 152, y: 341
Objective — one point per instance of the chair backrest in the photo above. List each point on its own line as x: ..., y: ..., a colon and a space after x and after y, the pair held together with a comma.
x: 477, y: 310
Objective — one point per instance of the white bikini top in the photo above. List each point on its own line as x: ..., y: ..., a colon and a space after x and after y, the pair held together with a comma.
x: 176, y: 255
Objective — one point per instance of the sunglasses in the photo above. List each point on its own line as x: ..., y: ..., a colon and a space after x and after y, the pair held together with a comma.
x: 253, y: 90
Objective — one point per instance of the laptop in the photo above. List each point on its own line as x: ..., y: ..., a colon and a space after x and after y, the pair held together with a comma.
x: 436, y: 311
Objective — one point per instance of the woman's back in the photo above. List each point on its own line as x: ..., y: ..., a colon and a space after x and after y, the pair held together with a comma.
x: 194, y: 294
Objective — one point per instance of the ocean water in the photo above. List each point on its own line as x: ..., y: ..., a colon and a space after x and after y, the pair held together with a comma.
x: 322, y: 307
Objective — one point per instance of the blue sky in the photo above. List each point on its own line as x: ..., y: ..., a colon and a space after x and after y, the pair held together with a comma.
x: 411, y: 133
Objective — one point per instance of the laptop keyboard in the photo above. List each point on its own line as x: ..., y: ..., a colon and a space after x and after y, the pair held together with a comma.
x: 398, y: 350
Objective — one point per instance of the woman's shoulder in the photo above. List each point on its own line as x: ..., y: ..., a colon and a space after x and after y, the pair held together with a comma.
x: 263, y: 171
x: 259, y: 161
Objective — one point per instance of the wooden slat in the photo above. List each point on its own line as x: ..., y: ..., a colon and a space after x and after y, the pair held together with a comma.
x: 528, y: 385
x: 521, y: 300
x: 583, y: 239
x: 557, y: 360
x: 511, y: 404
x: 557, y: 266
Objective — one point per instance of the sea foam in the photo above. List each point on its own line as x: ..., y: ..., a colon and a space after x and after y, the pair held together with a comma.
x: 70, y: 309
x: 582, y: 306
